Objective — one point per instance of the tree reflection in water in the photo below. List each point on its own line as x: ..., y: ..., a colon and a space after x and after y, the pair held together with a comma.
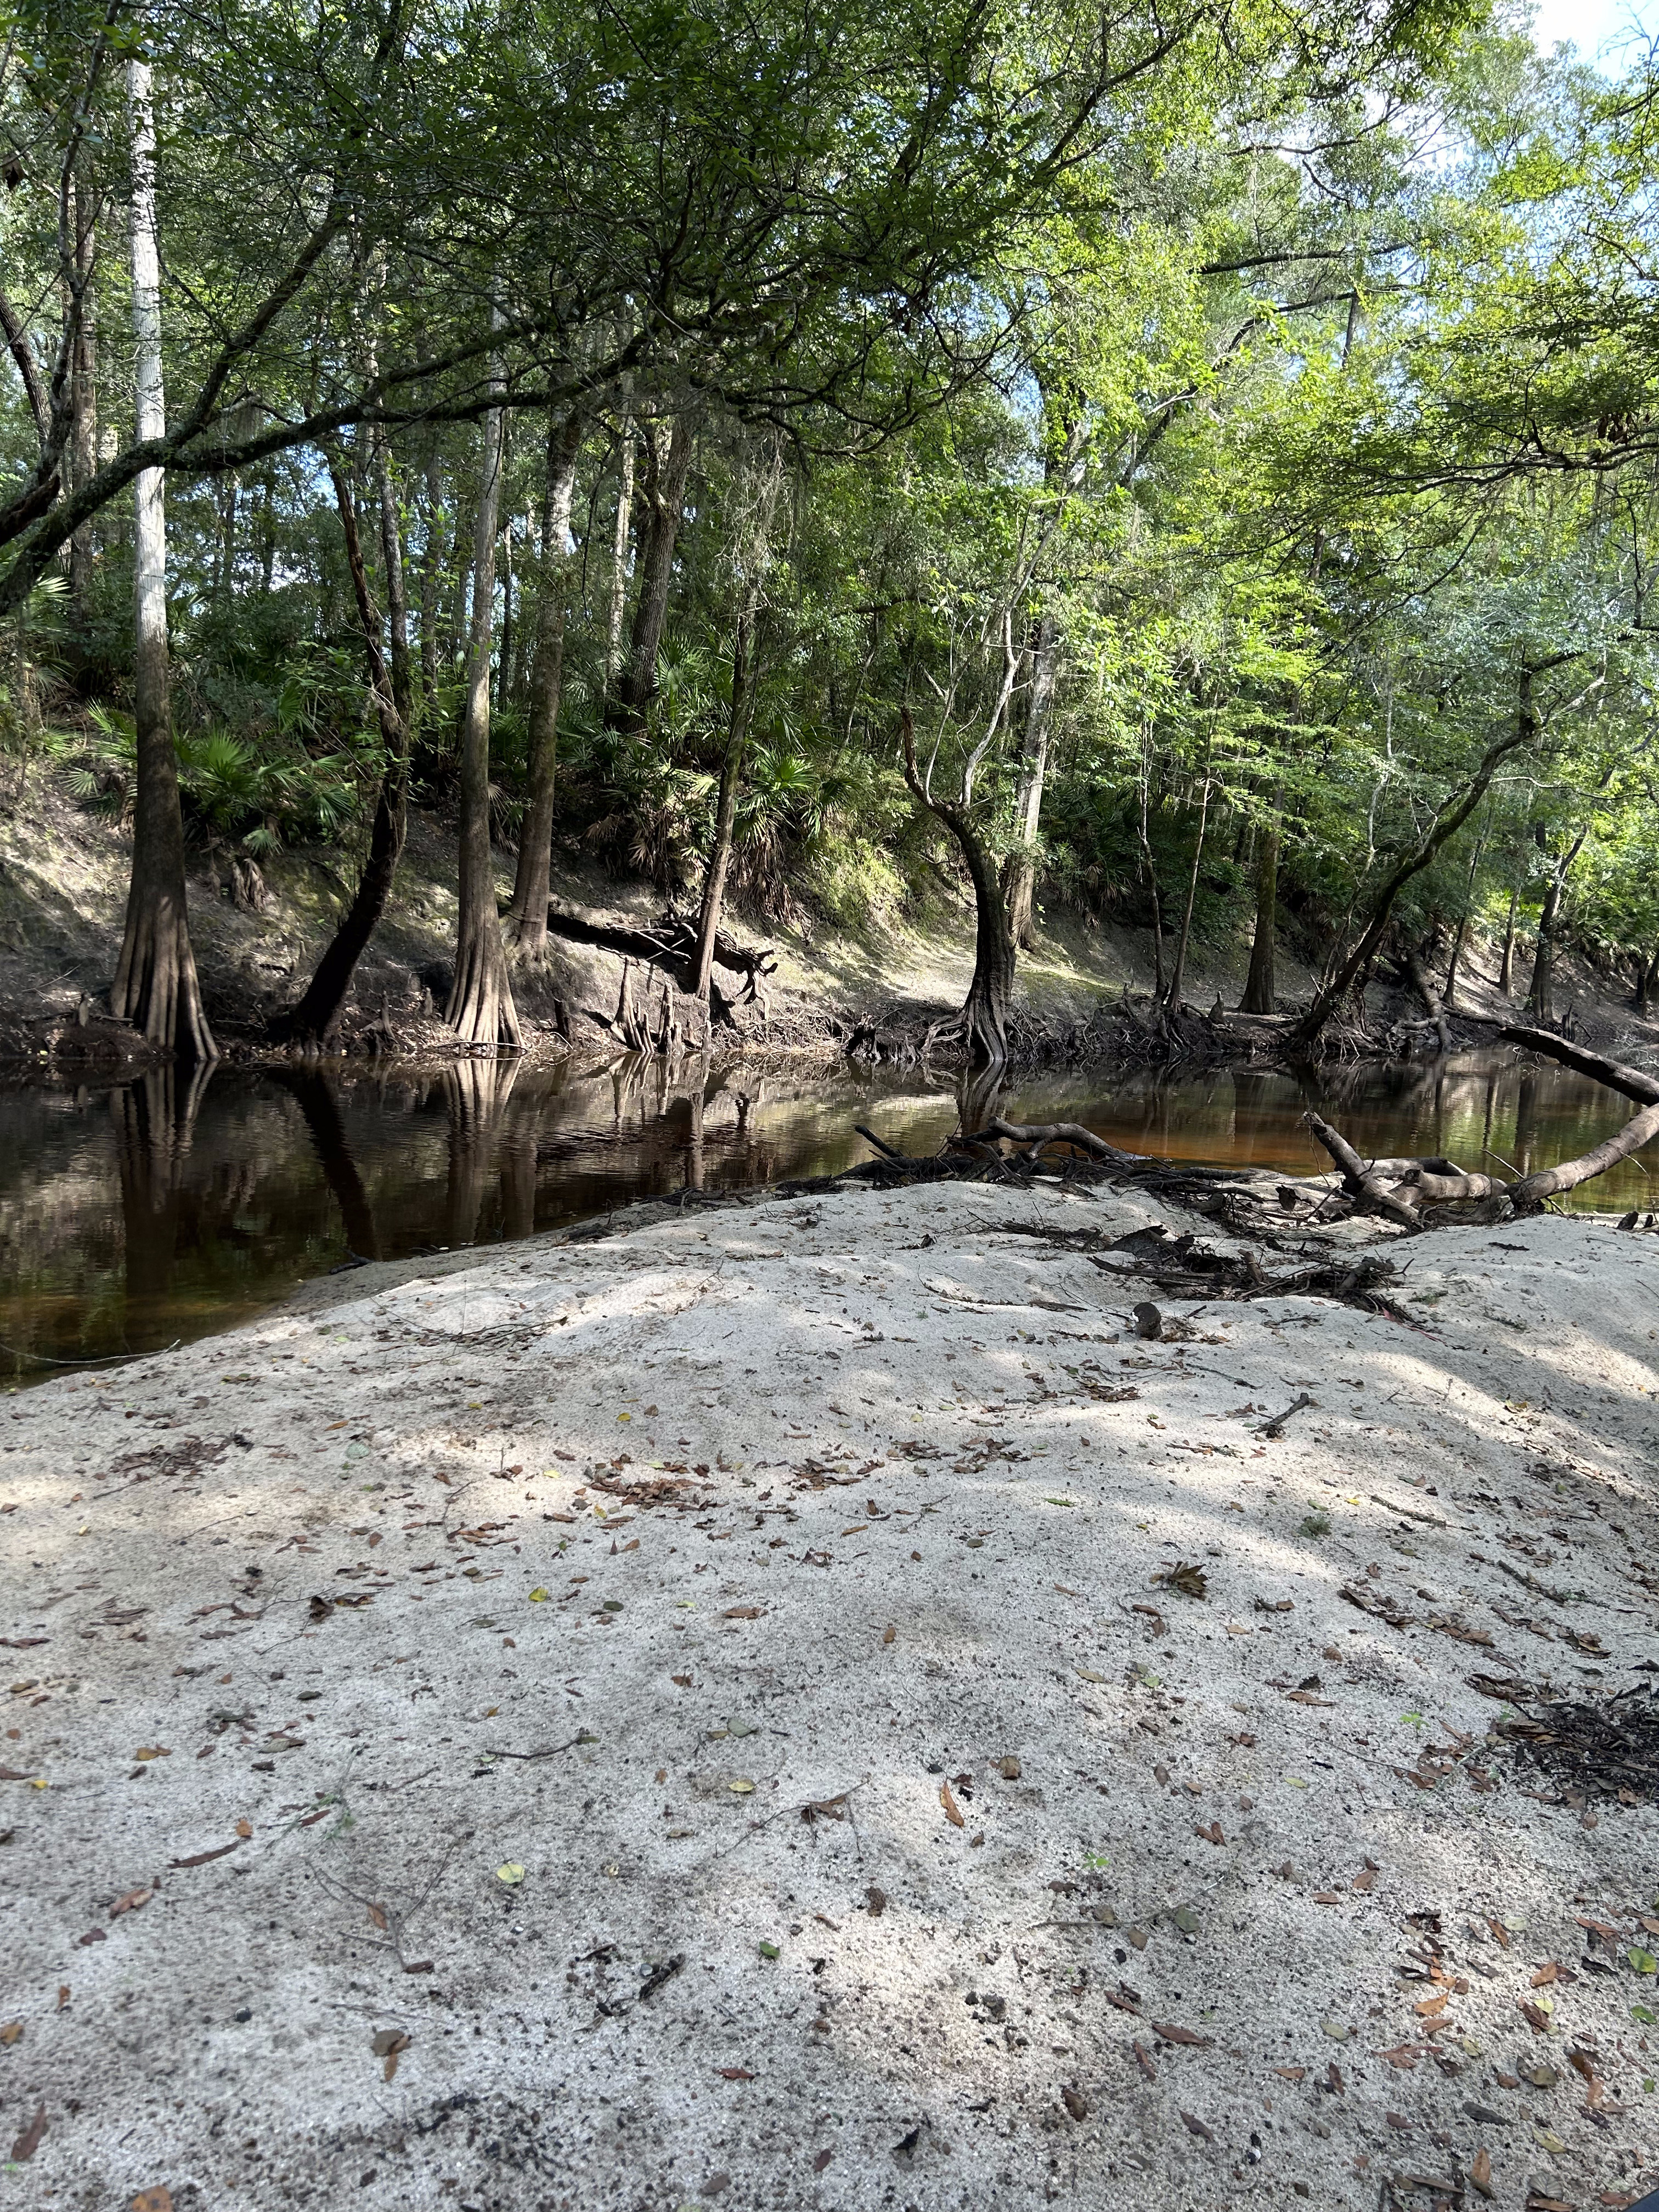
x: 175, y: 1203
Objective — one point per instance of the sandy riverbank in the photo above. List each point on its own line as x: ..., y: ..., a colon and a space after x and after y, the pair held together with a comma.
x: 900, y: 1838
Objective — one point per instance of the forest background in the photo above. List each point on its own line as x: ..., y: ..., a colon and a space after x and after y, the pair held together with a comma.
x: 1193, y: 466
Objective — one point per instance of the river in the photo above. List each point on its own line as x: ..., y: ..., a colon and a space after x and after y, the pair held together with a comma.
x: 135, y: 1213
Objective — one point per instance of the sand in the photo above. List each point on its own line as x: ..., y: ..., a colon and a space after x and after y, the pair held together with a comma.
x: 691, y: 1716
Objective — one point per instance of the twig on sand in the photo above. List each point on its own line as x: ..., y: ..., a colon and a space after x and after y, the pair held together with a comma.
x: 1275, y: 1426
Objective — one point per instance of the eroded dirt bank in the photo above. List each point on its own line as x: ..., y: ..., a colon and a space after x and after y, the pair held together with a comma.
x: 785, y: 1592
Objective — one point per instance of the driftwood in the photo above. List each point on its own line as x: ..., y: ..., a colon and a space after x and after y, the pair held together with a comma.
x: 1633, y: 1082
x: 670, y: 943
x: 1357, y: 1178
x: 1037, y: 1135
x: 1402, y: 1188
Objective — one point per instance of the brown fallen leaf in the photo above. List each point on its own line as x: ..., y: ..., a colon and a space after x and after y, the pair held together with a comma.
x: 1212, y: 1834
x: 952, y: 1810
x: 743, y: 1613
x: 158, y: 2199
x: 377, y: 1916
x: 244, y: 1829
x: 152, y: 1751
x: 1501, y: 1934
x: 1404, y: 2056
x: 1426, y: 2008
x: 1009, y: 1768
x: 1548, y: 1972
x: 1194, y: 2126
x: 63, y: 1995
x: 1076, y: 2103
x: 134, y: 1899
x: 386, y: 2040
x: 1290, y: 2072
x: 1166, y: 2033
x: 735, y: 2074
x: 683, y: 1682
x: 1190, y: 1581
x: 203, y: 1858
x: 1327, y: 1897
x: 1481, y: 2171
x: 1144, y: 2060
x: 1333, y: 2080
x: 1364, y: 1882
x: 875, y: 1901
x: 889, y: 1633
x: 11, y: 2032
x: 1535, y: 2017
x: 29, y: 2141
x: 822, y: 2160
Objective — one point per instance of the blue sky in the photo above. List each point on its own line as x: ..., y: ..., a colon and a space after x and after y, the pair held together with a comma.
x: 1593, y: 25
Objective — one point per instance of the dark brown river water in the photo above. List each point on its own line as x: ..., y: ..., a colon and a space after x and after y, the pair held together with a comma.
x: 133, y: 1214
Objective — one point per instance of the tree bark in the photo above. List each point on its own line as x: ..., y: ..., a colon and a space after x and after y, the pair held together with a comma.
x: 83, y: 393
x: 509, y: 620
x: 666, y: 488
x: 985, y: 1012
x: 1506, y: 966
x: 1448, y: 821
x: 317, y: 1017
x: 155, y: 986
x: 481, y: 1010
x: 726, y: 816
x: 432, y: 567
x: 532, y: 883
x: 1019, y: 880
x: 1178, y: 970
x: 1148, y: 863
x: 1542, y: 992
x: 1260, y: 993
x: 621, y: 530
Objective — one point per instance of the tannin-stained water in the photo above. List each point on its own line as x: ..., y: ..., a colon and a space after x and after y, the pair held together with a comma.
x: 168, y: 1206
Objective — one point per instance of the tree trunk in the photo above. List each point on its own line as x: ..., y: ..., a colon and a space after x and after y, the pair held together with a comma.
x: 317, y: 1017
x: 1448, y: 821
x: 1151, y: 872
x: 1463, y: 918
x: 638, y: 684
x: 1178, y: 972
x: 726, y: 816
x: 1540, y: 993
x: 1647, y: 981
x: 510, y: 613
x: 533, y: 884
x: 155, y: 987
x: 432, y: 567
x: 1020, y: 881
x: 1506, y: 967
x: 481, y: 1010
x: 83, y: 391
x: 984, y: 1010
x: 1260, y: 992
x: 619, y: 536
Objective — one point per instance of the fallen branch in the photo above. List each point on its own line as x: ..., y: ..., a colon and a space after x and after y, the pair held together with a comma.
x: 1357, y: 1178
x: 1631, y: 1081
x: 1038, y: 1133
x: 1276, y: 1425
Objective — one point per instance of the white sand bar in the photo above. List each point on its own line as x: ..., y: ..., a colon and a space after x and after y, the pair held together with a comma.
x: 1113, y: 1896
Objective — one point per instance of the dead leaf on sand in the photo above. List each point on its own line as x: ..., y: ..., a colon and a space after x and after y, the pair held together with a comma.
x: 1481, y: 2171
x: 952, y: 1810
x: 1190, y: 1581
x: 29, y: 2141
x: 1076, y: 2103
x: 875, y: 1901
x: 389, y: 2044
x: 1166, y: 2033
x: 158, y: 2199
x: 1194, y: 2126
